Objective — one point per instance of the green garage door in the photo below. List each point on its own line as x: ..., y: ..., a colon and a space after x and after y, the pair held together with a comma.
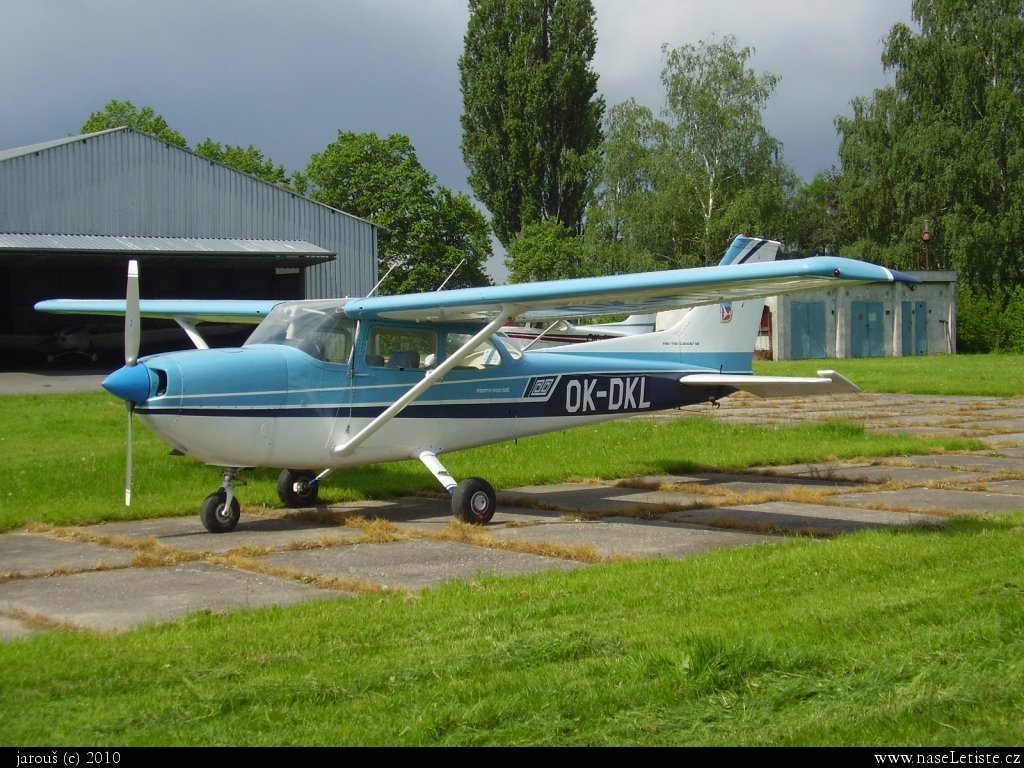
x: 807, y: 334
x: 867, y: 328
x: 915, y: 328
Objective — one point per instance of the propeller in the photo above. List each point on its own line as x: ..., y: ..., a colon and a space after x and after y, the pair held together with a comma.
x: 132, y: 341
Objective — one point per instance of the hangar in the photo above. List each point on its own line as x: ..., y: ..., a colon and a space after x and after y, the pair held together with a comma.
x: 73, y: 211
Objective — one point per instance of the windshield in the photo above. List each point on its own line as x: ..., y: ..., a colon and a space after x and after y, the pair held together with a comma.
x: 318, y: 328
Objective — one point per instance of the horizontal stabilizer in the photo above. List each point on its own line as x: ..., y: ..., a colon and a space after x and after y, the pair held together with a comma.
x: 827, y: 383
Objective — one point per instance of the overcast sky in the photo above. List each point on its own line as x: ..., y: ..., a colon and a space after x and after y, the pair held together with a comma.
x: 287, y: 76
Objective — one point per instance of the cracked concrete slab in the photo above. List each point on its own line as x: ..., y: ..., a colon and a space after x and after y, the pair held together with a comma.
x: 118, y: 599
x: 931, y: 499
x: 36, y: 553
x: 11, y: 629
x: 979, y: 462
x: 188, y: 533
x: 798, y: 517
x: 414, y: 564
x: 597, y: 499
x: 756, y: 482
x: 633, y: 538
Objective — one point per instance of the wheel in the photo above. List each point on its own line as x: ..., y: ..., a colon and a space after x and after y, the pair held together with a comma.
x: 217, y: 516
x: 474, y: 501
x: 306, y: 494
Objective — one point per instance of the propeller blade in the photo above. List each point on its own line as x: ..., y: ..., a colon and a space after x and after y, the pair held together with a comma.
x: 132, y: 319
x: 128, y: 463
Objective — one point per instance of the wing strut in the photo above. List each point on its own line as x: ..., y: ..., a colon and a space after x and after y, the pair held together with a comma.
x: 434, y: 375
x: 189, y: 327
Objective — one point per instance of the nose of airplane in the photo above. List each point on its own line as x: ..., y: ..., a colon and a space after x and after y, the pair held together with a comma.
x: 130, y: 383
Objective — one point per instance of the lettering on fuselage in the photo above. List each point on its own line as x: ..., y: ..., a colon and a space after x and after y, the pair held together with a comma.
x: 606, y: 394
x: 603, y: 394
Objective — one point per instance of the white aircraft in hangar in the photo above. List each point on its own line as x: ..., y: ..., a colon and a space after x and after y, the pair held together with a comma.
x: 333, y: 383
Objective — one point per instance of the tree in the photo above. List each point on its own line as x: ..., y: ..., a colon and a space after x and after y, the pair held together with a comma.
x: 426, y: 229
x: 944, y: 144
x: 547, y: 250
x: 532, y: 120
x: 250, y: 160
x: 674, y: 191
x: 119, y: 114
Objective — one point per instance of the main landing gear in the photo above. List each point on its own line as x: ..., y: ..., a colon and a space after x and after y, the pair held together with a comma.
x: 298, y: 487
x: 473, y: 500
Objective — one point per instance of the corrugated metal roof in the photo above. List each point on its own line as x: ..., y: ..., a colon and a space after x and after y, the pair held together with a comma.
x: 193, y: 246
x: 7, y: 154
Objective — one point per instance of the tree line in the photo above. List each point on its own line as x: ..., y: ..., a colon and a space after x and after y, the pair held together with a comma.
x: 575, y: 188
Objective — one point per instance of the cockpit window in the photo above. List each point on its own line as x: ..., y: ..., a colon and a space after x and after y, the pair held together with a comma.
x: 484, y: 356
x: 320, y: 329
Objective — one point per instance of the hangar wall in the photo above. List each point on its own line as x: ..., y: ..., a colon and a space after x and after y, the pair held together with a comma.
x: 121, y: 182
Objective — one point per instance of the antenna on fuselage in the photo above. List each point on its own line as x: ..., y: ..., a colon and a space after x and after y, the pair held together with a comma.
x: 374, y: 289
x: 451, y: 275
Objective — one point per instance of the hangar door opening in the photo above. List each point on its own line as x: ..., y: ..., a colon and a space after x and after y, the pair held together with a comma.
x: 867, y: 329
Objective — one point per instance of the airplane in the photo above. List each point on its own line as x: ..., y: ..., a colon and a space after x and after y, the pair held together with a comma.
x: 563, y: 332
x: 330, y: 383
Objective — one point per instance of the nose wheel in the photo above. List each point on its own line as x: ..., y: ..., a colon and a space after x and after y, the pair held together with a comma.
x: 218, y: 514
x: 220, y: 510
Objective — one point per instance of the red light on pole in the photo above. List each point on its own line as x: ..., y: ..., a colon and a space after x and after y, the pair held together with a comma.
x: 927, y: 237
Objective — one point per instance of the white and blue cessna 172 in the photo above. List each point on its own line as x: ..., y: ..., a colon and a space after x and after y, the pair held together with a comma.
x: 332, y: 383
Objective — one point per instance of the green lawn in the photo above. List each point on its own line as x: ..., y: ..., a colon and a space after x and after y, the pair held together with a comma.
x: 980, y: 375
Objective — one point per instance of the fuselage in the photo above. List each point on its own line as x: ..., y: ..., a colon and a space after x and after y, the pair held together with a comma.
x: 298, y: 389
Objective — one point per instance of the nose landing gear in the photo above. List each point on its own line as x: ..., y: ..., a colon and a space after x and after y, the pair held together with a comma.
x: 221, y: 510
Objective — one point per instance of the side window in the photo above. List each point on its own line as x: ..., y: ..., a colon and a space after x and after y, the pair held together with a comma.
x: 402, y: 348
x: 484, y: 356
x: 338, y: 342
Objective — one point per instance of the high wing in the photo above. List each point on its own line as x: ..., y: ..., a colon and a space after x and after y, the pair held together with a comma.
x: 186, y: 313
x: 197, y: 311
x: 626, y: 294
x: 585, y: 297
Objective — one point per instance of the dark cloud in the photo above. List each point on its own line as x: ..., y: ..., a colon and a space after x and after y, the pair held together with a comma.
x: 286, y: 77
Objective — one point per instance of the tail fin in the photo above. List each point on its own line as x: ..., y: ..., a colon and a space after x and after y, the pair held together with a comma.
x: 716, y: 336
x: 723, y: 336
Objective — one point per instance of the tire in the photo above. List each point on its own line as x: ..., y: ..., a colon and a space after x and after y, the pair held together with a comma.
x: 474, y: 501
x: 217, y: 517
x: 286, y: 488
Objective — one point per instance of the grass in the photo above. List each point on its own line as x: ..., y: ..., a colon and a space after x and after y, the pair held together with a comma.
x: 994, y: 375
x: 63, y: 459
x: 885, y: 637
